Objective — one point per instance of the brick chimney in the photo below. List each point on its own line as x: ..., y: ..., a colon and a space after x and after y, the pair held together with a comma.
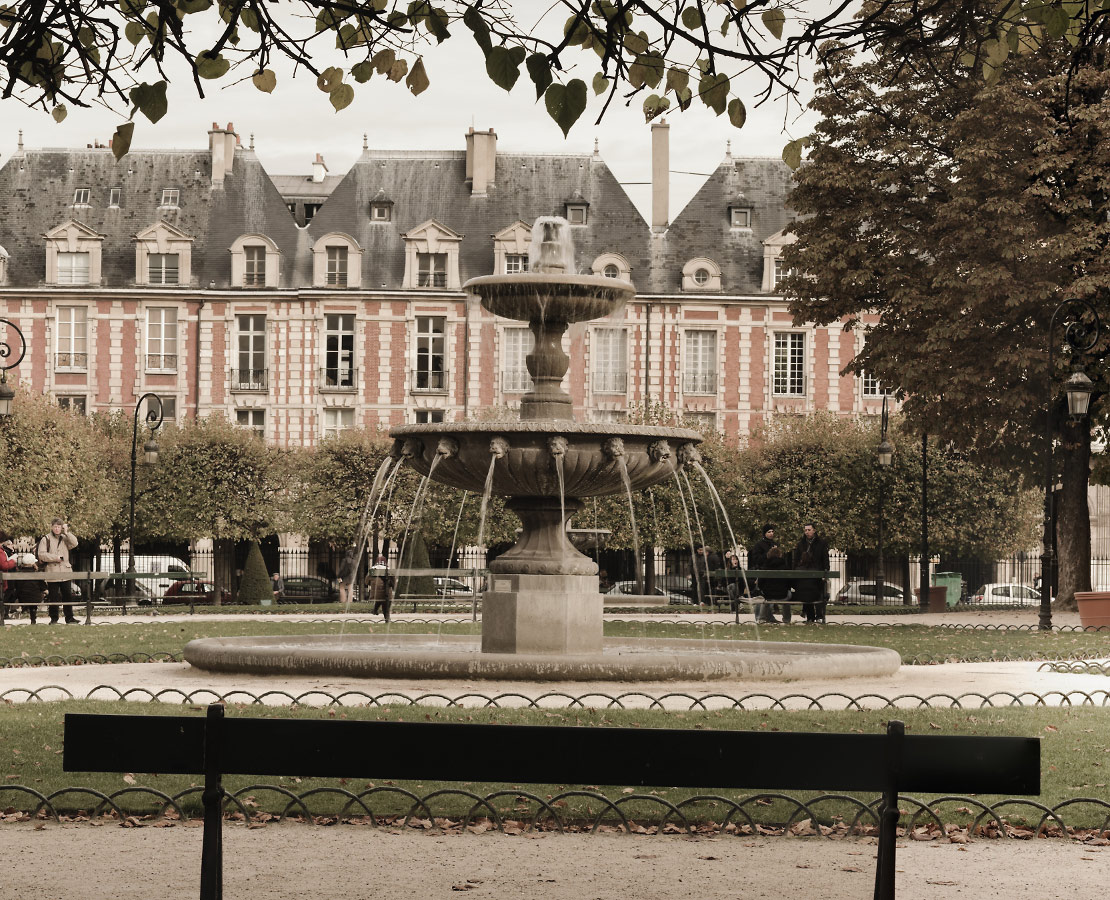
x: 481, y: 160
x: 660, y: 175
x: 218, y: 148
x: 319, y: 169
x: 231, y: 142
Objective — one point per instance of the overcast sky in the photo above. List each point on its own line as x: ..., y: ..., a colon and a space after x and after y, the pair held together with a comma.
x: 295, y: 122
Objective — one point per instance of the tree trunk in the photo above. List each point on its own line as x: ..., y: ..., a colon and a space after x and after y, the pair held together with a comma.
x: 1073, y: 526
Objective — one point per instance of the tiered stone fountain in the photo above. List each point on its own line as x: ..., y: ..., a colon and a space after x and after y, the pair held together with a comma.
x: 542, y: 616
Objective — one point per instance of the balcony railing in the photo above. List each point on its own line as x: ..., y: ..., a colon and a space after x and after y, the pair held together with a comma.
x: 249, y: 380
x: 338, y: 379
x: 610, y: 382
x: 516, y: 381
x: 161, y: 362
x: 699, y: 383
x: 429, y: 382
x: 71, y: 361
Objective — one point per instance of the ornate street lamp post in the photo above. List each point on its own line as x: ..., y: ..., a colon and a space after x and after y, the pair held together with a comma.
x: 884, y: 453
x: 1081, y: 333
x: 154, y: 418
x: 7, y: 395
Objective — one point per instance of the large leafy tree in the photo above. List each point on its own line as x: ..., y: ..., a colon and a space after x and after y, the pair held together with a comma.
x: 949, y: 217
x: 658, y: 54
x: 54, y: 465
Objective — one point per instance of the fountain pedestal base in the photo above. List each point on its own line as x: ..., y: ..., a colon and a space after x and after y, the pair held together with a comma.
x: 557, y: 614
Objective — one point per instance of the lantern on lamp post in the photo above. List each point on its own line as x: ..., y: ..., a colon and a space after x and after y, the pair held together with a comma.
x: 7, y: 395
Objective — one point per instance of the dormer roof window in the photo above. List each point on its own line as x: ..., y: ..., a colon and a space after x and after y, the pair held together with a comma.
x: 577, y: 209
x: 381, y: 208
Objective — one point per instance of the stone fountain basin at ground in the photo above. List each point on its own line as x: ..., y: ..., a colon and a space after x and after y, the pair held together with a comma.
x: 458, y: 656
x: 527, y: 468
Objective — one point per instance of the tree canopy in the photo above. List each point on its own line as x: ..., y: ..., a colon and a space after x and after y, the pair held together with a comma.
x: 948, y: 219
x: 661, y: 55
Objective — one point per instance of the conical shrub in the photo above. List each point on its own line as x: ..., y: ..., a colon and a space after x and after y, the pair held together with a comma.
x: 255, y: 587
x: 416, y: 557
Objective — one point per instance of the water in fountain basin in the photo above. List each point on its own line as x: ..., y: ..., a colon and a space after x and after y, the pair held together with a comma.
x: 689, y: 529
x: 484, y: 509
x: 414, y: 514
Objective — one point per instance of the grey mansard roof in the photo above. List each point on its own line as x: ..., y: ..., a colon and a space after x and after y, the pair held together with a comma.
x: 432, y: 186
x: 703, y: 228
x: 37, y: 192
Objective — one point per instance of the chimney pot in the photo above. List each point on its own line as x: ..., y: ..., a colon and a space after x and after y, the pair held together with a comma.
x: 481, y: 160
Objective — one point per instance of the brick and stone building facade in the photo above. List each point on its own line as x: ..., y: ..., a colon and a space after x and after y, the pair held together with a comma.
x: 302, y: 305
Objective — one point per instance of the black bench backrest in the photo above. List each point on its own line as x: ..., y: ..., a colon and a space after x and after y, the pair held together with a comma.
x: 554, y: 755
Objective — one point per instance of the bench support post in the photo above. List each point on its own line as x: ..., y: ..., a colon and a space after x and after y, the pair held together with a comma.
x: 888, y: 812
x: 212, y: 848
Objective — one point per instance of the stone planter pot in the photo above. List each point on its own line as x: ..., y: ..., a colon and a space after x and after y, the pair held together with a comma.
x: 1094, y: 608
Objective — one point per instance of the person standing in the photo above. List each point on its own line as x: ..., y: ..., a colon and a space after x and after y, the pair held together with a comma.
x: 53, y: 550
x: 7, y: 559
x: 812, y: 552
x: 757, y: 559
x: 28, y: 592
x: 382, y: 590
x: 277, y: 585
x: 775, y: 590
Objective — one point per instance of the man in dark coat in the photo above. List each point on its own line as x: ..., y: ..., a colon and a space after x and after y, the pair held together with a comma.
x: 815, y: 549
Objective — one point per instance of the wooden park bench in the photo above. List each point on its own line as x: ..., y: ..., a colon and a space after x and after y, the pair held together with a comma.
x: 215, y: 746
x: 84, y: 579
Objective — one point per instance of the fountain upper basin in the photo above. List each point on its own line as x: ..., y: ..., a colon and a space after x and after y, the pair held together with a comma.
x: 551, y: 296
x: 527, y: 464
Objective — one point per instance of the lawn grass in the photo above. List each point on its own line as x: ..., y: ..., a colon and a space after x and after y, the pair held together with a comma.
x: 916, y: 644
x: 1075, y: 759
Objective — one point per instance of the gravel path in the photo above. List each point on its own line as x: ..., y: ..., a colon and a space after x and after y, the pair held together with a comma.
x: 283, y: 862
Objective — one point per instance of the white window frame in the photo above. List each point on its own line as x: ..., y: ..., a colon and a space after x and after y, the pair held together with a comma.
x: 578, y: 214
x: 337, y: 419
x: 516, y: 344
x: 427, y: 416
x: 781, y: 273
x: 429, y: 345
x: 254, y: 265
x: 338, y: 265
x: 171, y: 198
x: 78, y: 404
x: 609, y: 360
x: 159, y: 271
x: 431, y: 269
x: 381, y: 212
x: 161, y: 339
x: 253, y: 419
x: 338, y: 365
x: 740, y: 217
x: 82, y: 196
x: 515, y: 263
x: 870, y: 387
x: 71, y: 339
x: 788, y: 364
x: 700, y: 361
x: 114, y: 197
x: 251, y: 346
x: 74, y: 267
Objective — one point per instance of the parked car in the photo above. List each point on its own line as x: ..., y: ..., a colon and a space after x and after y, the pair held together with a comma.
x: 676, y: 588
x: 1007, y: 594
x: 134, y: 589
x: 306, y: 589
x: 452, y: 588
x: 193, y: 591
x: 864, y: 593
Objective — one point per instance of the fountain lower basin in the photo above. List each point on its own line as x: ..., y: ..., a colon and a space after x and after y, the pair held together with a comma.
x: 458, y: 657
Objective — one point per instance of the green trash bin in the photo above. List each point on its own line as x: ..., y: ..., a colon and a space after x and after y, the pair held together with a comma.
x: 952, y: 582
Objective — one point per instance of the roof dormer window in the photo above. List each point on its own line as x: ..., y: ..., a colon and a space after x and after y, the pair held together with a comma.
x: 740, y: 216
x: 576, y: 212
x: 81, y: 197
x: 381, y: 211
x: 170, y: 197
